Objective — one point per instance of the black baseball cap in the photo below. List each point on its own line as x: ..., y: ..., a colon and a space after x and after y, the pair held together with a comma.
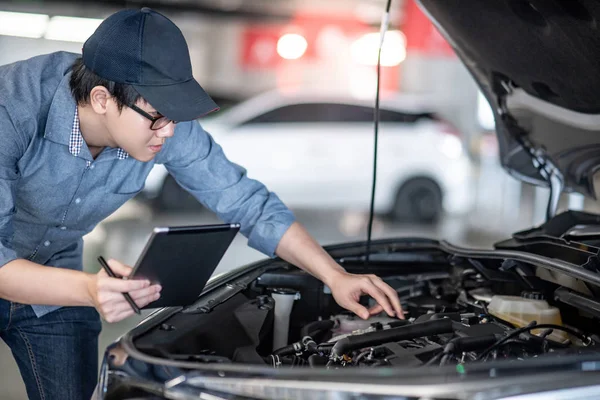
x: 145, y: 49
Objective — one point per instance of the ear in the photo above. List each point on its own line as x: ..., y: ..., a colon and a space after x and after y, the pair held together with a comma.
x: 99, y: 99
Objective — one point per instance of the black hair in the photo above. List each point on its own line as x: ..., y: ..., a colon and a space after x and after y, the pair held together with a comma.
x: 83, y: 81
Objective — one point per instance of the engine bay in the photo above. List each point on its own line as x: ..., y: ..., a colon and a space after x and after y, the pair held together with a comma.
x: 284, y: 318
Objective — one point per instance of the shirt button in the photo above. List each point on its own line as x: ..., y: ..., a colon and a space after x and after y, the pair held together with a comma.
x: 77, y: 200
x: 62, y: 228
x: 91, y: 167
x: 47, y: 243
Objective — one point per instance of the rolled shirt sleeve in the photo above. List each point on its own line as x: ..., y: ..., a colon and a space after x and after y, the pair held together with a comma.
x: 11, y: 149
x: 199, y: 165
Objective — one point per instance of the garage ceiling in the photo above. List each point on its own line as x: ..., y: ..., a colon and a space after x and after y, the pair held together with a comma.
x: 257, y: 10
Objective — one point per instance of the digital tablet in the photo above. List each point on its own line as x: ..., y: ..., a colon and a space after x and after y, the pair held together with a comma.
x: 182, y: 259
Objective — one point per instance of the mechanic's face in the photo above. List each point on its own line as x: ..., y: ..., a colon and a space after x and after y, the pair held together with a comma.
x: 131, y: 130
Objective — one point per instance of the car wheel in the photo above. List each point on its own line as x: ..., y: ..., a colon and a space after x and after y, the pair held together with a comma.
x: 173, y: 198
x: 418, y: 200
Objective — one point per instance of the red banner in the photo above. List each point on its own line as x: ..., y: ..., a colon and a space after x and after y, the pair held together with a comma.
x: 259, y: 47
x: 421, y: 35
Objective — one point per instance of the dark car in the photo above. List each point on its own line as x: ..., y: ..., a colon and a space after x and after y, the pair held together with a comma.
x: 518, y: 321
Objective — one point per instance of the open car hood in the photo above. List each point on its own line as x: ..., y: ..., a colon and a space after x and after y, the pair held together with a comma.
x: 537, y: 63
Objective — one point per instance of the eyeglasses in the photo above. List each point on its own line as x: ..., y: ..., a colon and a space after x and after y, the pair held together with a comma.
x: 157, y: 122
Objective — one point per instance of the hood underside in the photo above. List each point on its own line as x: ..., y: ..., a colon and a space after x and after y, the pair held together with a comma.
x: 537, y: 63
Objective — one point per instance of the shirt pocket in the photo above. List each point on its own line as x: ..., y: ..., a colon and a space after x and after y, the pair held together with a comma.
x: 129, y: 187
x: 103, y: 203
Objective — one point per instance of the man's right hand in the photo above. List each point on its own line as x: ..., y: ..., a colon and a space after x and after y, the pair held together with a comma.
x: 107, y: 293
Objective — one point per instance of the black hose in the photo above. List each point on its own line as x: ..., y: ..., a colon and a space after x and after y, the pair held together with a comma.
x: 325, y: 348
x: 307, y: 345
x: 362, y: 355
x: 529, y: 327
x: 288, y: 350
x: 464, y: 344
x: 459, y: 345
x: 284, y: 351
x: 310, y: 346
x: 400, y: 322
x: 293, y: 361
x: 483, y: 306
x: 316, y: 327
x: 435, y: 359
x: 316, y: 360
x: 429, y: 328
x: 445, y: 359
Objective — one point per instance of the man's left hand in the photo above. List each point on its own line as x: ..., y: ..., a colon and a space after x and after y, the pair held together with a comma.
x: 347, y: 289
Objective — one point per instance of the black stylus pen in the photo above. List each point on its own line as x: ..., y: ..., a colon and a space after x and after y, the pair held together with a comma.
x: 110, y: 273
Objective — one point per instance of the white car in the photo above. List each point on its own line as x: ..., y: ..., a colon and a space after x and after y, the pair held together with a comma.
x: 316, y: 151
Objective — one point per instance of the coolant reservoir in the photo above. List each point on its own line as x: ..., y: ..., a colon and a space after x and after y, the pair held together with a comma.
x: 520, y: 311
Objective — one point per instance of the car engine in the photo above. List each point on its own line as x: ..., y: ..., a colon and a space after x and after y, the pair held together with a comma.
x: 287, y: 319
x: 460, y: 336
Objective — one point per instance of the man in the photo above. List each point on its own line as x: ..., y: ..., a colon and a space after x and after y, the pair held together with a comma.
x: 78, y: 138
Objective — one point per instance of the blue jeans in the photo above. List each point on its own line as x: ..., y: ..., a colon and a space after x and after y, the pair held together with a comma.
x: 57, y: 354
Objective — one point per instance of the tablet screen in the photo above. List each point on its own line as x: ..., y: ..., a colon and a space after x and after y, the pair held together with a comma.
x: 182, y: 259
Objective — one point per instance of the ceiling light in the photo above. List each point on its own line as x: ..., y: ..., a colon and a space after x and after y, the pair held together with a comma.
x: 23, y: 24
x: 291, y: 46
x: 71, y: 29
x: 364, y: 49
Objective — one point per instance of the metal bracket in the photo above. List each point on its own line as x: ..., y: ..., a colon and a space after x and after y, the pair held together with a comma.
x: 554, y: 178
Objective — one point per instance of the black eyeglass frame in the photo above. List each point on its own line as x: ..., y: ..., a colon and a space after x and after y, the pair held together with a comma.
x: 151, y: 118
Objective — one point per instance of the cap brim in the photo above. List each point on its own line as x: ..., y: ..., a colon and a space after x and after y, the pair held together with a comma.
x: 184, y: 101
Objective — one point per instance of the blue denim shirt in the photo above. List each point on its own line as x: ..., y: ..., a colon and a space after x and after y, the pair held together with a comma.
x: 50, y: 198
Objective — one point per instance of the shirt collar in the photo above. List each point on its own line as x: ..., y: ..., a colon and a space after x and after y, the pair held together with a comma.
x: 63, y: 128
x: 76, y: 140
x: 60, y: 114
